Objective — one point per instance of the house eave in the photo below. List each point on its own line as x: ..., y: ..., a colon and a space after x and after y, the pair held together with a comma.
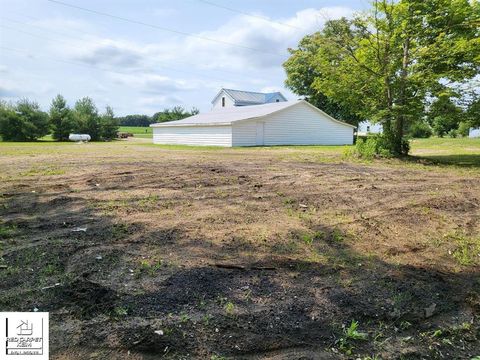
x: 160, y: 125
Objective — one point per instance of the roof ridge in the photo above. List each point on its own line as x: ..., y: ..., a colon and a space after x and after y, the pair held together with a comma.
x: 252, y: 92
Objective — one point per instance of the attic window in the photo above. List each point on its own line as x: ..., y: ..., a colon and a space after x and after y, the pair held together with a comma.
x: 277, y: 100
x: 223, y: 101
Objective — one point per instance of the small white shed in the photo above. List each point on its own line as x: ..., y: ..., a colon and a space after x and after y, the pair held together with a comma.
x: 282, y: 123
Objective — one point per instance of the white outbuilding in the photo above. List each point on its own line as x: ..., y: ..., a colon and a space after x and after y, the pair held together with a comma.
x: 278, y: 123
x: 474, y: 133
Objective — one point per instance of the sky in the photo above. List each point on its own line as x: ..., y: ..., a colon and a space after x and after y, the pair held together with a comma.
x: 142, y: 56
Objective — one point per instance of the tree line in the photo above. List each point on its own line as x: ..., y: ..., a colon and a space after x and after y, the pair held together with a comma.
x: 403, y: 64
x: 25, y: 121
x: 175, y: 113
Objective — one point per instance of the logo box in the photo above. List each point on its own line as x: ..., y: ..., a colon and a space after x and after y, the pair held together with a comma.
x: 24, y: 335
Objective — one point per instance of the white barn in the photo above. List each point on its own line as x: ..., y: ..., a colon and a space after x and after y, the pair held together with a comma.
x: 277, y: 123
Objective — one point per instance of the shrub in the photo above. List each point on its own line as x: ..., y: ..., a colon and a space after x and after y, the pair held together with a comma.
x: 420, y: 130
x: 464, y: 128
x: 366, y: 149
x: 374, y: 146
x: 23, y: 122
x: 453, y: 133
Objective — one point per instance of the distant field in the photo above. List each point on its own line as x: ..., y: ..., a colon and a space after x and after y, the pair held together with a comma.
x: 138, y: 131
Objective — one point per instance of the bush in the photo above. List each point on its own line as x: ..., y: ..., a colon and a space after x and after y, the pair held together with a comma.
x: 23, y: 122
x: 366, y: 149
x: 420, y: 130
x: 464, y: 128
x: 453, y: 133
x: 374, y: 146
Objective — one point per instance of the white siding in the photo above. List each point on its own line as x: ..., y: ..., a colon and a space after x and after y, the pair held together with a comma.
x: 193, y: 135
x: 367, y: 127
x: 297, y: 125
x: 244, y: 133
x: 474, y: 133
x: 228, y: 101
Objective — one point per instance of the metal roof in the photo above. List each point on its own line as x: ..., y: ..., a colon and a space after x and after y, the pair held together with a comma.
x: 226, y: 116
x: 249, y: 97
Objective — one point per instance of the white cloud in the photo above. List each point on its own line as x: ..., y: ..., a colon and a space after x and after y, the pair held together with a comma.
x: 157, y: 101
x: 269, y: 41
x: 12, y: 89
x: 150, y: 83
x: 146, y: 76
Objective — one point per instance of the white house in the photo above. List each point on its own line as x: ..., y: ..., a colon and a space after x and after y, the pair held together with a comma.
x: 275, y: 123
x: 474, y: 133
x: 228, y: 98
x: 366, y: 127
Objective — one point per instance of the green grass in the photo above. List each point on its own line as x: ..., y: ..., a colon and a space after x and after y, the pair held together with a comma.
x: 462, y: 152
x: 138, y: 131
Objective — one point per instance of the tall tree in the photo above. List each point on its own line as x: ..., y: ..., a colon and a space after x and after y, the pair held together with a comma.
x: 383, y: 65
x: 61, y: 118
x: 301, y: 74
x: 86, y: 118
x: 109, y: 125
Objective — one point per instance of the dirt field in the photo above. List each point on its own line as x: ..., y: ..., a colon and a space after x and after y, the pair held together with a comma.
x: 143, y: 252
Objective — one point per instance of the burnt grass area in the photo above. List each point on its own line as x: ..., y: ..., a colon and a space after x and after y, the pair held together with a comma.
x: 150, y: 253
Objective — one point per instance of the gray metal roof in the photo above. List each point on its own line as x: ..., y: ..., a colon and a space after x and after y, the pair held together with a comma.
x: 226, y: 116
x: 241, y: 97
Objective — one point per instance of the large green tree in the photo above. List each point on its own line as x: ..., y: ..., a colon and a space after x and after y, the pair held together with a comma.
x: 61, y: 118
x: 87, y: 120
x: 384, y: 65
x: 24, y: 121
x: 302, y: 71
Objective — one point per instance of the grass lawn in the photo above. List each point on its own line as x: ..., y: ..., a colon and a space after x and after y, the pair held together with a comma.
x: 458, y: 152
x: 142, y: 250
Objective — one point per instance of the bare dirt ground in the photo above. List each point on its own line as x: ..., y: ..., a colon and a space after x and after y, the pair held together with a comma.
x: 144, y: 252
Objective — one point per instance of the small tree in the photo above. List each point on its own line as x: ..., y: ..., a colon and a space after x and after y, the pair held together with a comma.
x: 444, y: 115
x: 109, y: 125
x: 86, y: 118
x: 23, y: 122
x: 61, y: 118
x: 472, y: 113
x: 9, y: 121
